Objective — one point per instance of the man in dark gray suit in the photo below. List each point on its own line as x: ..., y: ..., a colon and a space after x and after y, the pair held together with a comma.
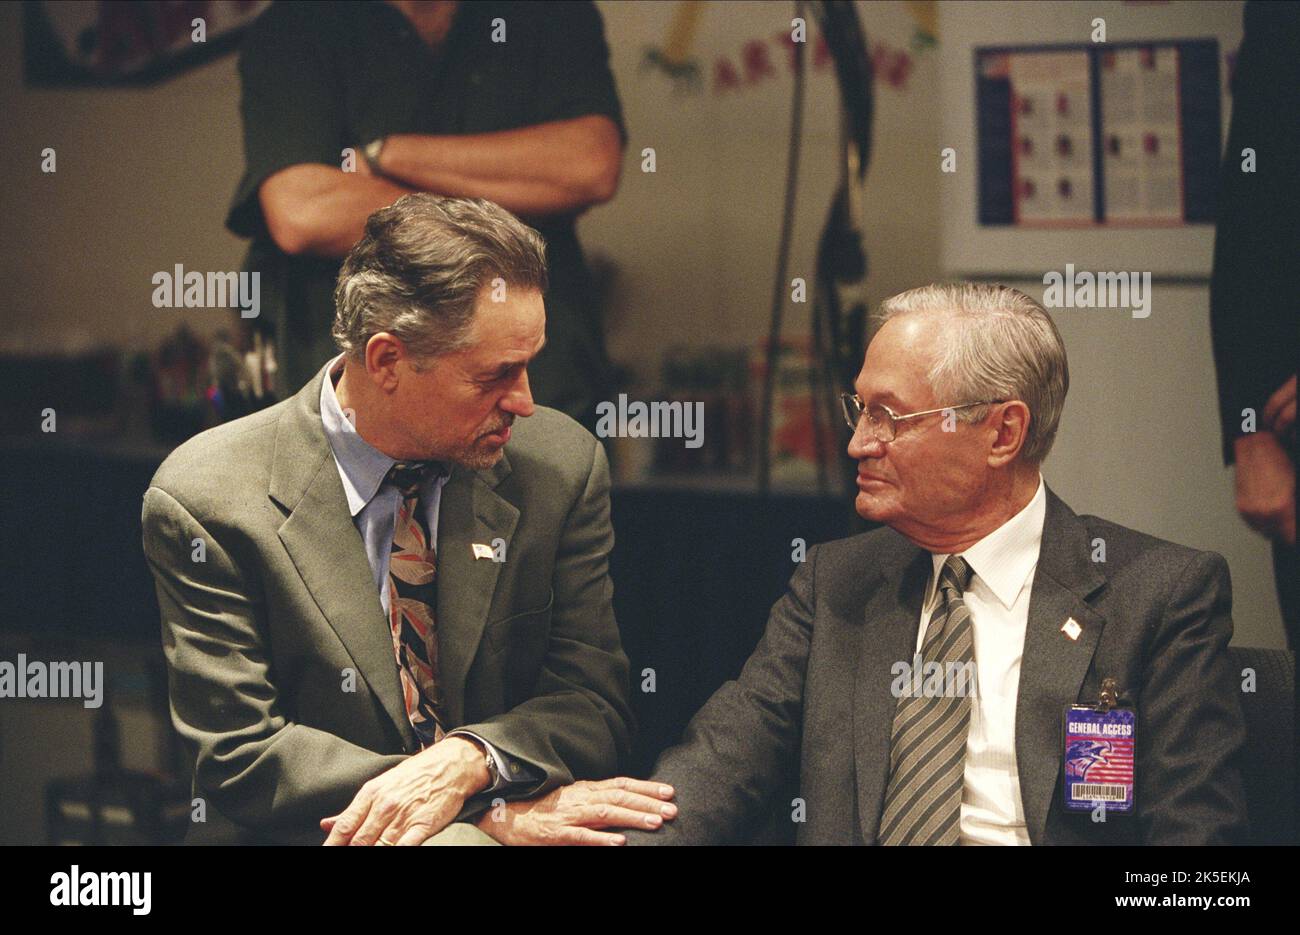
x: 375, y: 620
x: 982, y: 571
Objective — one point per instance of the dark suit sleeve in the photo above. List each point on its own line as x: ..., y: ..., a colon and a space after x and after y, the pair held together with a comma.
x: 1254, y: 302
x: 253, y: 765
x: 1191, y: 732
x: 737, y: 753
x: 578, y: 723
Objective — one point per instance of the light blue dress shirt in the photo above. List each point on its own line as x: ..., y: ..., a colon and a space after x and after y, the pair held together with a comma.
x: 362, y: 469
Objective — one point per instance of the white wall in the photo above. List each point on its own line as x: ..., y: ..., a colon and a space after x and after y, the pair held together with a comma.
x: 696, y: 241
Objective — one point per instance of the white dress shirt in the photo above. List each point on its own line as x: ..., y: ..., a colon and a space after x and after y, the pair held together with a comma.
x: 998, y: 599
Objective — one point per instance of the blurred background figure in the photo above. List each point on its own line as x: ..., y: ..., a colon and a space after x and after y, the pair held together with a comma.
x: 348, y: 106
x: 1254, y: 296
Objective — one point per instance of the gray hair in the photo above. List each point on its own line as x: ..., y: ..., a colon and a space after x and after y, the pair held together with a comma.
x: 418, y: 269
x: 1002, y: 344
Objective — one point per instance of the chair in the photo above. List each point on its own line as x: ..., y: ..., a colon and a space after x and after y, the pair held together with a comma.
x: 1268, y: 766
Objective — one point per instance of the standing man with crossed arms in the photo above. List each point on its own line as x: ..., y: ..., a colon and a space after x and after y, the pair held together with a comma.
x: 509, y: 101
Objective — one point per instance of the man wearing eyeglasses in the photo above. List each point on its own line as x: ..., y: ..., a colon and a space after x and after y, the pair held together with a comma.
x: 1093, y: 702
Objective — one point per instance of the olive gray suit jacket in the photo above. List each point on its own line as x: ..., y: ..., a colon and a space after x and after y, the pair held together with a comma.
x: 263, y: 636
x: 812, y: 710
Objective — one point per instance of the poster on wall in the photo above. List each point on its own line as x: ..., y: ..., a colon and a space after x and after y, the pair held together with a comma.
x: 79, y: 43
x: 1081, y: 136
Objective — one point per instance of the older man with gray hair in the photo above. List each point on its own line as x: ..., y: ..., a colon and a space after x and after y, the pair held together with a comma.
x: 1093, y: 704
x: 377, y: 620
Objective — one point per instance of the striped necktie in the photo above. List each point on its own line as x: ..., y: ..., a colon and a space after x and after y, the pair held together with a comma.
x: 412, y: 599
x: 927, y: 755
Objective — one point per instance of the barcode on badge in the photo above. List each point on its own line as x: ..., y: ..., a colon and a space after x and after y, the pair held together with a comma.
x: 1098, y: 792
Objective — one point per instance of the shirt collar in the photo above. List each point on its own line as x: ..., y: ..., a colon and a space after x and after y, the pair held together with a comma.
x: 362, y: 467
x: 1004, y: 558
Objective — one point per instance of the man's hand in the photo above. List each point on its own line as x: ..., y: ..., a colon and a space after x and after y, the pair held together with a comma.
x: 413, y: 800
x: 1265, y: 477
x: 1279, y: 411
x: 571, y: 814
x: 361, y: 165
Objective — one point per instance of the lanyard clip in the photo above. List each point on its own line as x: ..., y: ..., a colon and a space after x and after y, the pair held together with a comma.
x: 1109, y: 696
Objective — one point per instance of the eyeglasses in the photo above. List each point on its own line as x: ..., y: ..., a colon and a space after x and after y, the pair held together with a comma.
x: 883, y: 421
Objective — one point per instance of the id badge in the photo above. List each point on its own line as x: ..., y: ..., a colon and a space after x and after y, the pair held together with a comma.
x: 1099, y: 757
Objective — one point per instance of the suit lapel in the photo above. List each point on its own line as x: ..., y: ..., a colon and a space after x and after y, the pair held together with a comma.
x: 1052, y: 671
x: 329, y: 553
x: 892, y: 618
x: 1053, y: 666
x: 471, y: 512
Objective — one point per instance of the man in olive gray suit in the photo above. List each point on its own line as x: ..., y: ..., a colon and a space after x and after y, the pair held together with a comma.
x: 375, y: 619
x: 984, y: 572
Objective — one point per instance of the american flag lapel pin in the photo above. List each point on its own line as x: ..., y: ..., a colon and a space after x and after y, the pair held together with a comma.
x: 1071, y: 628
x: 481, y: 550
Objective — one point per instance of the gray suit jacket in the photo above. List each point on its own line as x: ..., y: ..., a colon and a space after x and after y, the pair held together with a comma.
x: 812, y: 708
x: 261, y: 636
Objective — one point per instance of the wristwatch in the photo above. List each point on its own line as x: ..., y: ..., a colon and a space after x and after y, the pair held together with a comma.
x: 494, y: 774
x: 371, y: 152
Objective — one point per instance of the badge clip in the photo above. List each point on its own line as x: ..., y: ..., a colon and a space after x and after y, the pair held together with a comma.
x: 1109, y: 696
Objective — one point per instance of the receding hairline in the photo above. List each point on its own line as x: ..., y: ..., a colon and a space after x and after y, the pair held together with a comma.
x: 1033, y: 367
x: 475, y: 341
x: 934, y: 314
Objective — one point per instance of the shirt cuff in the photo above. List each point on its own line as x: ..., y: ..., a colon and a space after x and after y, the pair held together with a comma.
x: 511, y: 772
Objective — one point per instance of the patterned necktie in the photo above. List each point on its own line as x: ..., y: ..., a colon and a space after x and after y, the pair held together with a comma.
x: 412, y: 597
x: 927, y: 755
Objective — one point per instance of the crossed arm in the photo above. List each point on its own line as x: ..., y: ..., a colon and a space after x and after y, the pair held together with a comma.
x: 559, y: 167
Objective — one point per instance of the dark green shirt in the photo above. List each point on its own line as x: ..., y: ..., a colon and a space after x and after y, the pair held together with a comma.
x: 320, y: 77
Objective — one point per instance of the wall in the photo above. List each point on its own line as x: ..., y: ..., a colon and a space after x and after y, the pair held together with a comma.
x: 144, y: 177
x: 721, y: 164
